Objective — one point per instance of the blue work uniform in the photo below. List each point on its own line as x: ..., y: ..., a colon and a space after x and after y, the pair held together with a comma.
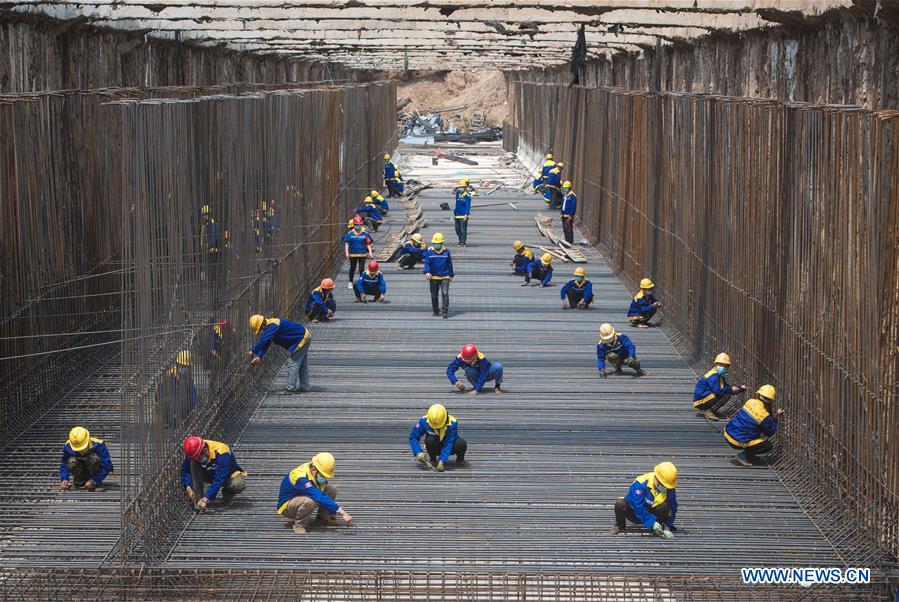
x: 381, y: 203
x: 522, y: 260
x: 751, y: 425
x: 287, y: 334
x: 710, y: 386
x: 299, y: 482
x: 642, y: 497
x: 413, y: 249
x: 371, y: 284
x: 463, y: 205
x: 621, y: 345
x: 641, y: 308
x: 553, y: 183
x: 544, y: 270
x: 218, y: 468
x: 98, y: 447
x: 447, y: 435
x: 322, y: 299
x: 569, y: 205
x: 439, y: 264
x: 371, y: 211
x: 358, y: 242
x: 478, y: 372
x: 580, y: 291
x: 547, y: 165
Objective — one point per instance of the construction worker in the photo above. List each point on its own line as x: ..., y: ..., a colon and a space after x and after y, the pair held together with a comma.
x: 441, y: 433
x: 552, y: 189
x: 320, y: 306
x: 567, y: 211
x: 438, y: 269
x: 541, y: 269
x: 618, y: 350
x: 371, y: 282
x: 220, y: 347
x: 478, y: 370
x: 651, y: 501
x: 306, y: 489
x: 462, y: 211
x: 392, y: 178
x: 411, y: 252
x: 548, y: 164
x: 213, y: 462
x: 644, y: 306
x: 712, y: 390
x: 295, y: 338
x: 522, y: 258
x: 370, y: 213
x: 85, y: 461
x: 182, y: 388
x: 357, y: 247
x: 752, y: 427
x: 381, y: 202
x: 464, y: 186
x: 577, y: 292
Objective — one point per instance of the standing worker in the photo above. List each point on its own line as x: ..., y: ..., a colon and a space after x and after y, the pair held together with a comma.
x: 441, y: 433
x: 85, y: 461
x: 306, y: 489
x: 548, y: 164
x: 541, y: 269
x: 478, y: 370
x: 462, y: 211
x: 320, y: 306
x: 644, y: 306
x: 522, y: 258
x: 753, y: 426
x: 567, y: 212
x: 411, y: 252
x: 712, y: 390
x: 371, y: 282
x: 213, y: 462
x: 552, y: 190
x: 438, y: 269
x: 295, y: 338
x: 577, y: 292
x: 618, y: 350
x: 357, y: 247
x: 650, y: 501
x: 392, y: 178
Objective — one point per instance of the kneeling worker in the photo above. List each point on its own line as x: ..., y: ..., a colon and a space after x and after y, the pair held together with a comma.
x: 85, y: 461
x: 442, y: 440
x: 478, y: 370
x: 752, y: 427
x: 644, y: 305
x: 306, y: 489
x: 650, y: 501
x: 321, y: 304
x: 618, y: 350
x: 712, y: 390
x: 541, y: 269
x: 371, y: 282
x: 411, y: 252
x: 207, y: 461
x: 577, y: 292
x: 522, y: 258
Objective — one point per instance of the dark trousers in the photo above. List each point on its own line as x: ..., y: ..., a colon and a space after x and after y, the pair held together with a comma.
x: 575, y: 297
x: 433, y: 445
x: 408, y: 260
x: 537, y: 273
x: 354, y: 263
x: 317, y: 313
x: 521, y: 264
x: 624, y: 511
x: 462, y: 230
x: 713, y: 404
x: 375, y: 291
x: 568, y: 229
x: 82, y: 468
x: 392, y: 189
x: 617, y: 361
x: 762, y: 447
x: 645, y: 317
x: 199, y: 477
x: 555, y: 198
x: 441, y: 287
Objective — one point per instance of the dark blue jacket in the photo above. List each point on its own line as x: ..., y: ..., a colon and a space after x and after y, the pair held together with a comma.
x: 369, y: 283
x: 324, y: 300
x: 221, y: 466
x: 447, y: 436
x: 584, y: 289
x: 99, y: 448
x: 547, y: 274
x: 391, y: 172
x: 642, y: 497
x: 359, y: 242
x: 641, y: 305
x: 569, y: 204
x: 709, y: 386
x: 522, y: 259
x: 285, y: 333
x: 410, y: 247
x: 298, y: 482
x: 481, y: 364
x: 463, y: 205
x: 372, y: 211
x: 438, y: 265
x: 621, y: 345
x: 751, y: 425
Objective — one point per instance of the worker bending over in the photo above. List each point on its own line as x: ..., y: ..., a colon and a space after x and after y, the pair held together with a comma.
x: 548, y: 164
x: 552, y: 190
x: 411, y: 252
x: 462, y: 211
x: 616, y: 349
x: 712, y: 390
x: 522, y: 258
x: 644, y: 306
x: 577, y: 292
x: 380, y: 202
x: 320, y: 306
x: 85, y: 461
x: 371, y: 282
x: 213, y: 462
x: 370, y: 214
x: 478, y: 370
x: 567, y: 211
x: 392, y: 178
x: 306, y: 489
x: 541, y: 269
x: 438, y: 269
x: 651, y: 501
x: 752, y: 427
x: 441, y: 433
x: 357, y: 247
x: 293, y: 337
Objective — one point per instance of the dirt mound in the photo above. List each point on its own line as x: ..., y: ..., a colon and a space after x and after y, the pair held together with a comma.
x: 452, y: 93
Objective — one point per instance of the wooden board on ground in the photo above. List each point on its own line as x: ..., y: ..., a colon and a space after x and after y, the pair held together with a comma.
x: 547, y: 229
x: 391, y: 244
x: 555, y: 253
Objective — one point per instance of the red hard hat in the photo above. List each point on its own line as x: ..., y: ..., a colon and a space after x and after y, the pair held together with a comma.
x: 357, y: 220
x: 372, y: 267
x: 327, y: 284
x: 469, y: 352
x: 193, y: 447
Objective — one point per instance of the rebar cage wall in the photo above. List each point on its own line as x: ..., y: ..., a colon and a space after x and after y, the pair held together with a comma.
x: 769, y: 229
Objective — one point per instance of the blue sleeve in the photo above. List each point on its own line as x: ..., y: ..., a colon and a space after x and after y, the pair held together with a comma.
x: 638, y: 504
x: 629, y: 345
x: 359, y: 287
x: 427, y: 265
x: 451, y: 371
x: 186, y: 481
x: 448, y: 439
x: 346, y: 237
x: 382, y: 283
x: 724, y: 389
x: 105, y: 464
x: 322, y: 498
x: 332, y: 303
x: 531, y: 267
x: 588, y: 290
x: 672, y: 502
x: 449, y: 263
x: 265, y: 340
x: 547, y: 277
x: 482, y: 376
x: 600, y: 357
x: 415, y: 436
x: 769, y: 426
x: 222, y: 472
x: 564, y: 290
x: 63, y: 469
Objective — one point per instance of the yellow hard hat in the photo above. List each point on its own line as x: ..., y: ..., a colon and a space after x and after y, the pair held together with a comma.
x: 646, y: 283
x: 204, y: 209
x: 566, y: 183
x: 256, y: 323
x: 606, y: 332
x: 768, y: 392
x: 183, y: 357
x: 368, y: 199
x: 517, y: 245
x: 722, y: 358
x: 324, y: 463
x: 416, y: 237
x: 546, y: 259
x: 666, y: 473
x: 374, y: 193
x: 386, y: 155
x: 436, y: 416
x: 463, y: 182
x: 79, y: 438
x: 549, y: 155
x: 580, y: 272
x: 437, y: 238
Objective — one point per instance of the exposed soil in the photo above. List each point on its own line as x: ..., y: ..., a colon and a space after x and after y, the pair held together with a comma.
x: 435, y: 92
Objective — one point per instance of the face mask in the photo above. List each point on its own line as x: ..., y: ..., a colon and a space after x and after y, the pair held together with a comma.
x: 579, y: 279
x: 722, y: 370
x: 321, y: 480
x: 438, y: 245
x: 357, y: 228
x: 204, y: 458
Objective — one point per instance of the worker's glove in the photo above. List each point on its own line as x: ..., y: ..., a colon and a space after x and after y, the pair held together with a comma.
x: 656, y: 528
x: 460, y: 386
x: 667, y: 534
x: 564, y: 304
x: 420, y: 457
x: 201, y: 505
x: 473, y: 392
x: 90, y: 485
x: 439, y: 466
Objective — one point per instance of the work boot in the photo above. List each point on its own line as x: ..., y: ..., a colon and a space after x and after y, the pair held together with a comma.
x: 463, y: 463
x: 436, y: 313
x: 349, y: 285
x: 743, y: 460
x: 227, y: 496
x: 445, y: 314
x: 710, y: 415
x: 299, y: 528
x: 615, y: 530
x: 100, y: 488
x: 497, y: 390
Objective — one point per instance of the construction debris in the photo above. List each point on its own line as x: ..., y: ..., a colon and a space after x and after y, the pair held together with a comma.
x: 547, y: 229
x: 432, y: 127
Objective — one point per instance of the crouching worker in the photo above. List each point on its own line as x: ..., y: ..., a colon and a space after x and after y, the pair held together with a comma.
x: 643, y: 306
x: 651, y: 501
x: 616, y: 349
x: 411, y: 252
x: 522, y: 258
x: 320, y: 306
x: 85, y: 461
x: 712, y: 390
x: 478, y: 370
x: 212, y: 462
x: 577, y: 292
x: 441, y: 433
x: 752, y: 427
x: 371, y: 282
x: 305, y: 490
x: 541, y: 269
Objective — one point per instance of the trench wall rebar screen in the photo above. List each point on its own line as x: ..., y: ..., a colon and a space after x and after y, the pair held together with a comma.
x: 769, y: 229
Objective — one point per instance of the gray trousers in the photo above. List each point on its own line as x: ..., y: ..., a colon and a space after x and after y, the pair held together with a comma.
x: 298, y: 369
x: 233, y: 485
x: 82, y: 468
x: 301, y: 508
x: 441, y: 287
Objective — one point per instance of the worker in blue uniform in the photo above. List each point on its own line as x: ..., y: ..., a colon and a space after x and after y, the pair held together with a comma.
x: 441, y: 434
x: 438, y: 269
x: 540, y: 269
x: 411, y: 252
x: 370, y: 213
x: 568, y: 211
x: 85, y: 461
x: 320, y: 306
x: 462, y: 212
x: 381, y: 202
x: 522, y: 259
x: 552, y: 189
x: 293, y: 337
x: 548, y: 164
x: 644, y: 305
x: 478, y: 371
x: 616, y: 349
x: 651, y: 501
x: 371, y: 282
x: 392, y: 178
x: 307, y: 488
x: 712, y: 390
x: 213, y: 462
x: 577, y: 292
x: 751, y: 429
x: 357, y: 247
